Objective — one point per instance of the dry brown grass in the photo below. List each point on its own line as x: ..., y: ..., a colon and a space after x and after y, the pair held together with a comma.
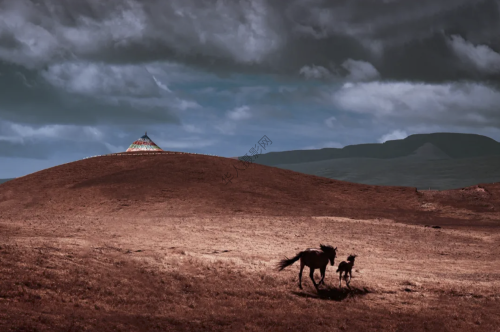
x: 216, y: 273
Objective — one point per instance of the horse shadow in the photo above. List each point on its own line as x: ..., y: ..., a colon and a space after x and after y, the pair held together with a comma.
x: 335, y: 294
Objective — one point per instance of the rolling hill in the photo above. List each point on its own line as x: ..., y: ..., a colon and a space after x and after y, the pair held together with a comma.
x: 185, y: 184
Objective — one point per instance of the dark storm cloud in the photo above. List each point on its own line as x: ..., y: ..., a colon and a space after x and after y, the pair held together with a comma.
x: 402, y: 39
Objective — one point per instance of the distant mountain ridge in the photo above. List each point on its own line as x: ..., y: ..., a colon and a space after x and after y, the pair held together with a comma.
x: 438, y: 161
x: 452, y: 145
x: 4, y: 180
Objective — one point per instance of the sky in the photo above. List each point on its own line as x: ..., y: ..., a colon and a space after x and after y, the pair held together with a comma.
x: 88, y: 77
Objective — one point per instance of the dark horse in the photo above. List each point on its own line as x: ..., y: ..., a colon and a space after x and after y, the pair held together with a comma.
x: 346, y: 267
x: 315, y: 259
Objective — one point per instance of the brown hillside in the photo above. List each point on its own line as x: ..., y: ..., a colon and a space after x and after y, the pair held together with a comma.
x: 159, y: 243
x: 183, y: 184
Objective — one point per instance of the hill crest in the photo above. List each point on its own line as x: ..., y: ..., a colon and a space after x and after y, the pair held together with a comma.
x: 186, y: 184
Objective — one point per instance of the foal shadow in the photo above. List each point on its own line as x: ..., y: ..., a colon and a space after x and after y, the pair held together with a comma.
x: 335, y: 294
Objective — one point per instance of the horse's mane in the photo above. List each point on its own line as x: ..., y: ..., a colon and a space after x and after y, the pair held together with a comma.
x: 326, y: 248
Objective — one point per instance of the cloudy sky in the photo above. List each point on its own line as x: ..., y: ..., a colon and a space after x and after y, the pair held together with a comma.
x: 87, y: 77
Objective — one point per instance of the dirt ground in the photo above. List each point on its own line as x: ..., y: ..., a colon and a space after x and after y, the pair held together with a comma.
x: 218, y: 273
x: 94, y: 246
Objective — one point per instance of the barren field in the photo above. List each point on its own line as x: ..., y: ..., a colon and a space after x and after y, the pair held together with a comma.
x: 117, y: 263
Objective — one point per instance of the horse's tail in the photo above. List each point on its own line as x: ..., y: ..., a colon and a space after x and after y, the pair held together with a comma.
x: 287, y: 262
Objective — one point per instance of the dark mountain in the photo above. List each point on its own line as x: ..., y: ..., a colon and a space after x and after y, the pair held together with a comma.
x: 453, y: 145
x: 4, y: 180
x: 437, y: 161
x: 411, y: 171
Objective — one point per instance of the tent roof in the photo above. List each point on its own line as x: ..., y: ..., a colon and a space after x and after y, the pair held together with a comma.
x: 144, y: 144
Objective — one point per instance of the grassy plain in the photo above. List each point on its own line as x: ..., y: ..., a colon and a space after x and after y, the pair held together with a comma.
x: 217, y: 273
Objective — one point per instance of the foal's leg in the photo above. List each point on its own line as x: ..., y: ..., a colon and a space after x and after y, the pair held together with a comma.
x: 340, y: 279
x: 311, y: 274
x: 322, y: 270
x: 348, y: 282
x: 300, y: 274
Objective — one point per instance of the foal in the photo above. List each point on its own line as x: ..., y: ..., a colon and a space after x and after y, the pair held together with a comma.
x: 315, y: 259
x: 346, y: 267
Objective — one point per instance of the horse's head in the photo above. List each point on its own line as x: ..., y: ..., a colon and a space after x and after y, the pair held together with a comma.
x: 333, y: 255
x: 351, y: 258
x: 330, y: 251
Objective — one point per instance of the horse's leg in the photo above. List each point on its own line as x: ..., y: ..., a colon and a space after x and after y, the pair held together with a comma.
x: 311, y: 274
x: 300, y: 273
x: 348, y: 282
x: 322, y: 270
x: 340, y: 279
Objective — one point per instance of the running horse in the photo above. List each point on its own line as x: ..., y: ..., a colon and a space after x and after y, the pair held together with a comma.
x: 346, y: 267
x: 315, y: 259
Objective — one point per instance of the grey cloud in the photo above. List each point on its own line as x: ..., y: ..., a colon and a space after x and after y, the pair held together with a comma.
x: 459, y: 104
x: 360, y: 70
x: 240, y: 113
x: 481, y: 57
x: 350, y: 70
x: 314, y: 72
x: 92, y: 78
x: 20, y: 133
x: 401, y: 39
x: 137, y: 30
x: 28, y: 98
x: 393, y: 135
